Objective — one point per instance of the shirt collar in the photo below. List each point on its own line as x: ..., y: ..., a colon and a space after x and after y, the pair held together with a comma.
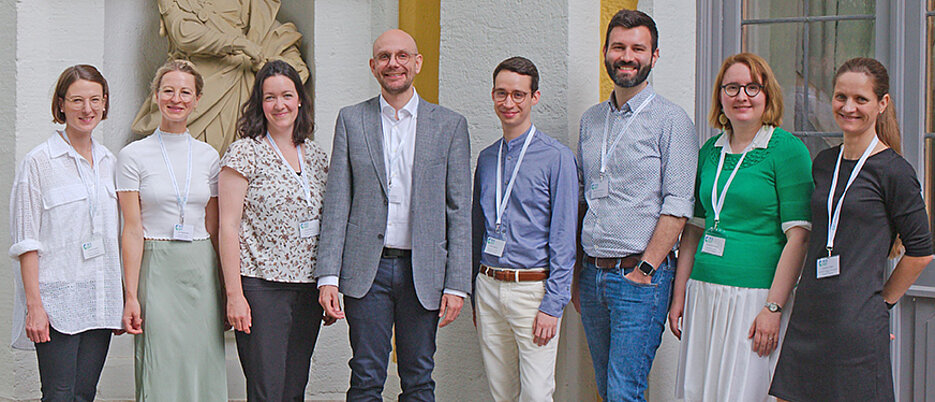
x: 411, y: 109
x: 760, y: 140
x: 631, y: 104
x: 58, y: 147
x: 518, y: 140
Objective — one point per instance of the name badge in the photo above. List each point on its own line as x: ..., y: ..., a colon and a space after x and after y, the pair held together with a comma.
x: 600, y: 189
x: 829, y: 266
x: 182, y: 232
x: 494, y: 246
x: 309, y: 228
x: 713, y: 243
x: 93, y: 248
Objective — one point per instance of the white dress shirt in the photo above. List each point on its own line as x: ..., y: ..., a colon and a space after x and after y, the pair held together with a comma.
x: 50, y: 212
x: 399, y: 144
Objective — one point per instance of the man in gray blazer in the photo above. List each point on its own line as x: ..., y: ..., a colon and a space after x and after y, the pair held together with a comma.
x: 396, y: 225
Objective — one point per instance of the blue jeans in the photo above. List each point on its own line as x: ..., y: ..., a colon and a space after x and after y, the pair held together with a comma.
x: 623, y: 322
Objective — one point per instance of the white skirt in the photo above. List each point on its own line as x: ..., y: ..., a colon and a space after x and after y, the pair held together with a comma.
x: 716, y: 360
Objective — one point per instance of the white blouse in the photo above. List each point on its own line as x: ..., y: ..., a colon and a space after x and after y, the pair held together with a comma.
x: 50, y: 212
x: 141, y: 167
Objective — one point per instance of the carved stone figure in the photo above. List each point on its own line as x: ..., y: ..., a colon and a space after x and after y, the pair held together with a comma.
x: 228, y: 41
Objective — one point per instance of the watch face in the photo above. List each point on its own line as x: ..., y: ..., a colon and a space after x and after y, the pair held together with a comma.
x: 645, y: 268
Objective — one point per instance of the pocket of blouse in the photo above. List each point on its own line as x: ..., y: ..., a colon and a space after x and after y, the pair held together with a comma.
x: 63, y: 195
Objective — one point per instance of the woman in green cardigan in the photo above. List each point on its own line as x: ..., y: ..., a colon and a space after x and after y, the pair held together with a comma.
x: 742, y: 253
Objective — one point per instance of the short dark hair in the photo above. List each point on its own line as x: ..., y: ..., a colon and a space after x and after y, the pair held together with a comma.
x: 521, y: 66
x: 252, y: 122
x: 71, y: 74
x: 630, y: 19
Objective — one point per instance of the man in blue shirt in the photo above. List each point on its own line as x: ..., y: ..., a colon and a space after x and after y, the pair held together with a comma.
x: 524, y: 217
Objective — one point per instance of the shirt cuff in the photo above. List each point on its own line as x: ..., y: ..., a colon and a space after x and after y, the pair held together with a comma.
x: 552, y: 307
x: 455, y: 293
x: 696, y: 221
x: 327, y: 280
x: 791, y: 224
x: 677, y: 207
x: 24, y: 247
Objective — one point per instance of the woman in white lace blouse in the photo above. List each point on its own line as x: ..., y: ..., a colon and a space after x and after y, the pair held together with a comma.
x: 63, y: 224
x: 167, y: 187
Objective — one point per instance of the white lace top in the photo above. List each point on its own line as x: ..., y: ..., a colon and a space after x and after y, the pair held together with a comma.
x: 142, y: 167
x: 50, y: 213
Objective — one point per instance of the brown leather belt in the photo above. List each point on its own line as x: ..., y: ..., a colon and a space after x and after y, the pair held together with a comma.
x: 627, y: 262
x: 395, y: 253
x: 514, y: 275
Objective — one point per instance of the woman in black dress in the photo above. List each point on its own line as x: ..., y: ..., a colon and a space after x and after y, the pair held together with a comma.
x: 837, y: 343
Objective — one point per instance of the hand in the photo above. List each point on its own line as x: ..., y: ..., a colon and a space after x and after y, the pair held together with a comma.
x: 449, y: 309
x: 765, y: 332
x: 676, y: 310
x: 238, y: 313
x: 543, y: 328
x: 330, y: 300
x: 575, y: 296
x: 636, y: 276
x: 132, y: 316
x: 37, y: 325
x: 328, y: 320
x: 118, y: 332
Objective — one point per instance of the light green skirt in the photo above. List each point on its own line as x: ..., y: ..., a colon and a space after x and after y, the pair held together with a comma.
x: 180, y: 354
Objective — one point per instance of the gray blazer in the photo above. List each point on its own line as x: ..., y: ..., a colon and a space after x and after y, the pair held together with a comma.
x: 355, y: 205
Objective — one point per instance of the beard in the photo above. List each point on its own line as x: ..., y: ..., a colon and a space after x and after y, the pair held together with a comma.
x: 642, y: 72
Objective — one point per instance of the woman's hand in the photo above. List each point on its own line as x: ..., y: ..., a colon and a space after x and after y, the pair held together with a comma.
x: 37, y: 325
x: 132, y: 316
x: 676, y: 310
x: 238, y: 313
x: 765, y: 332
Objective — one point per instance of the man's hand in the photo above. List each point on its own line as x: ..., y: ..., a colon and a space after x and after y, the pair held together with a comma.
x: 636, y: 276
x: 330, y: 301
x: 543, y: 328
x: 449, y: 309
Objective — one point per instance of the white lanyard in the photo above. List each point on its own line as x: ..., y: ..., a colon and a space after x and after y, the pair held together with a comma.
x: 179, y: 199
x: 301, y: 177
x: 502, y: 200
x: 718, y: 203
x: 834, y: 219
x: 400, y: 148
x: 604, y: 150
x: 93, y: 193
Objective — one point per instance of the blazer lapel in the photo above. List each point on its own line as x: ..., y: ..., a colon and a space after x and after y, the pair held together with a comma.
x: 426, y: 129
x: 373, y: 133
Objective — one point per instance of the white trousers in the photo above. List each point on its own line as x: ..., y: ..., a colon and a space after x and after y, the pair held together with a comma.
x: 517, y: 369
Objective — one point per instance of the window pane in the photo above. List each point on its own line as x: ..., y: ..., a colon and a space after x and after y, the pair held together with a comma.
x: 840, y: 7
x: 759, y: 9
x: 929, y: 179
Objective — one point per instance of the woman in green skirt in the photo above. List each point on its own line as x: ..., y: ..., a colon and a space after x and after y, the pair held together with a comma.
x: 167, y: 190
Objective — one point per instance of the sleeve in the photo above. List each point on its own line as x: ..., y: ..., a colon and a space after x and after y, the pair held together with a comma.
x: 582, y: 190
x: 214, y: 170
x: 563, y: 191
x: 319, y: 166
x: 906, y: 209
x: 478, y: 226
x: 698, y: 218
x: 792, y: 167
x: 241, y: 156
x: 25, y: 210
x: 678, y: 149
x: 128, y: 171
x: 335, y: 207
x: 458, y: 209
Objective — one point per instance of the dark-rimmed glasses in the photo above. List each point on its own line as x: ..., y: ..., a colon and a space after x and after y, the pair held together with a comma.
x: 733, y: 89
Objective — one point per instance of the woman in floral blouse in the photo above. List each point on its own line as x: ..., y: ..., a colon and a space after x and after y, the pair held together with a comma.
x: 271, y: 186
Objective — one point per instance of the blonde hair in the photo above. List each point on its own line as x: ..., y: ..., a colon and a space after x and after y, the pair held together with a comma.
x: 762, y: 74
x: 184, y: 66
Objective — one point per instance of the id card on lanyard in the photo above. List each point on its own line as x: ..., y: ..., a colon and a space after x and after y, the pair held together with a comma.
x: 715, y: 239
x: 180, y: 231
x: 831, y: 265
x: 601, y: 188
x: 93, y: 246
x: 307, y: 228
x: 495, y: 244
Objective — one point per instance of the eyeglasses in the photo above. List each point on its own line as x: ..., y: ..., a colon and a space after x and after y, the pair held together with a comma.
x: 501, y: 95
x: 401, y: 57
x: 185, y: 94
x: 752, y: 89
x: 78, y: 102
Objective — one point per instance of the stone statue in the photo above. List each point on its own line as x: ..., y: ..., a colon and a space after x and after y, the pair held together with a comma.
x: 228, y: 41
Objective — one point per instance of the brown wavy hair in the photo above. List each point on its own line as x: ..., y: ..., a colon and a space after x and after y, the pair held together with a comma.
x: 71, y: 74
x: 762, y: 74
x: 252, y: 122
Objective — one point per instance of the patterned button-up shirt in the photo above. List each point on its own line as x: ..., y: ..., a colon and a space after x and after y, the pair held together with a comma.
x: 650, y: 172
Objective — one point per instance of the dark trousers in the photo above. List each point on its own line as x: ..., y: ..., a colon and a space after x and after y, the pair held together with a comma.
x: 70, y: 365
x: 391, y: 300
x: 277, y: 353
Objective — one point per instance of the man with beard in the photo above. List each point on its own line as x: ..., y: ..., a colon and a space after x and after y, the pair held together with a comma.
x: 396, y: 225
x: 637, y: 153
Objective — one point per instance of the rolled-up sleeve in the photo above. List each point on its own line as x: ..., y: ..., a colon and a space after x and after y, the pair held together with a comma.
x: 678, y: 150
x: 25, y: 210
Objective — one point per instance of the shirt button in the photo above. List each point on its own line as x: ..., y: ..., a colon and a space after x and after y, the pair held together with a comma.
x: 380, y: 236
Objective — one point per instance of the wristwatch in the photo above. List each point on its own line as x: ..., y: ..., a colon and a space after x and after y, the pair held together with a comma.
x: 646, y: 268
x: 773, y: 307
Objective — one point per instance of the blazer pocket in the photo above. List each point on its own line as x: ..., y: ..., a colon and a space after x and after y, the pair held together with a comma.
x: 441, y: 263
x: 63, y: 195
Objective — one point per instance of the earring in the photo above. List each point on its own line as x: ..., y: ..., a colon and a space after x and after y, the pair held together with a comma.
x: 722, y: 118
x: 300, y: 105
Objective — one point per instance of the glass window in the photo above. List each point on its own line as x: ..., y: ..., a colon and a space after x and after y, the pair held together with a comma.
x: 822, y: 34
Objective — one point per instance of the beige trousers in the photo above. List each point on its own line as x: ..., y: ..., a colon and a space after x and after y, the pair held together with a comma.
x: 517, y: 369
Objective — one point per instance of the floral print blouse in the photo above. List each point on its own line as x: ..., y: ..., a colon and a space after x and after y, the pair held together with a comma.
x: 271, y: 246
